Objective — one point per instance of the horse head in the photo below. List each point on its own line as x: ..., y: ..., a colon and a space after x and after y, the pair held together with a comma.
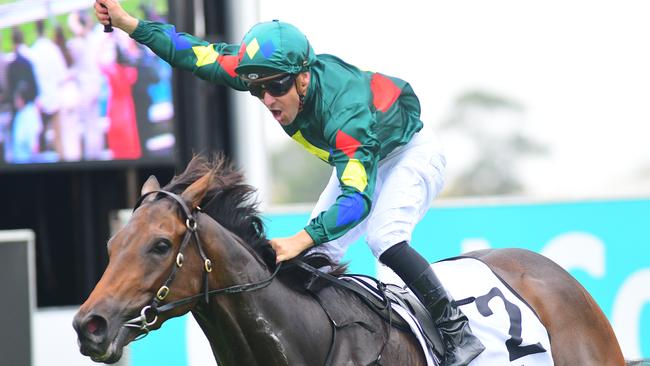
x: 151, y: 259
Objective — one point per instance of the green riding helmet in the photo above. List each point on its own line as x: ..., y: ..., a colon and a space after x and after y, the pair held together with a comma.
x: 272, y: 48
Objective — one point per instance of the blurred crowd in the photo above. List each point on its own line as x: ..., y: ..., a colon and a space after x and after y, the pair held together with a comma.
x: 92, y: 96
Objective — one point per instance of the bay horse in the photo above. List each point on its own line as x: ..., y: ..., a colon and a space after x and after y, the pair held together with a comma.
x: 199, y: 246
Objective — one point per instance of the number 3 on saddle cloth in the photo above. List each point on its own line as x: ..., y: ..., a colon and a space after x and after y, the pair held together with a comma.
x: 508, y: 327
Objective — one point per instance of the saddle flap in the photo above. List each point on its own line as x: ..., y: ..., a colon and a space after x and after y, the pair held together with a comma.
x: 407, y: 299
x: 373, y: 298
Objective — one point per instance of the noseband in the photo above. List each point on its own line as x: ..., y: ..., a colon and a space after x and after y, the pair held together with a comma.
x: 149, y: 314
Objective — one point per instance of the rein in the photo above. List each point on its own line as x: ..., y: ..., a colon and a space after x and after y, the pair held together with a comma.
x: 152, y: 310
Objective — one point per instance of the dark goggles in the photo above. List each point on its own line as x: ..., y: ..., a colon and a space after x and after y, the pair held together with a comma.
x: 277, y: 87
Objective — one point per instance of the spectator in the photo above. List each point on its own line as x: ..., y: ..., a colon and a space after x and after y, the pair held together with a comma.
x: 122, y: 136
x: 3, y: 74
x: 5, y: 104
x: 69, y: 114
x: 27, y: 126
x: 84, y: 48
x: 50, y: 71
x: 21, y: 69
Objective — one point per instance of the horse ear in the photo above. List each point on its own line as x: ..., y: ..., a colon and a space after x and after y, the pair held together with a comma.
x: 197, y: 190
x: 150, y: 185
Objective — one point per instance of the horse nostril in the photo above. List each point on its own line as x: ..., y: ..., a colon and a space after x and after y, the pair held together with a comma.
x: 95, y: 327
x: 92, y: 331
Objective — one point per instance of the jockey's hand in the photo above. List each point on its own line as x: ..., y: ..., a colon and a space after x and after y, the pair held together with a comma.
x: 288, y: 248
x: 118, y: 17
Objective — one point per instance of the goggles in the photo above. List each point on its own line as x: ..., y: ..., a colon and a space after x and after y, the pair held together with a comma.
x: 277, y: 87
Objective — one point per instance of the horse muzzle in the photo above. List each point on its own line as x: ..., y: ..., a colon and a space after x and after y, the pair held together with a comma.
x: 97, y: 339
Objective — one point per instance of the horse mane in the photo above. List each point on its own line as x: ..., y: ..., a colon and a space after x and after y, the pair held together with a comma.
x: 232, y: 203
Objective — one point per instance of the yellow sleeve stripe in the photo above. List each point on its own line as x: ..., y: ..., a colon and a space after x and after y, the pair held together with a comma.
x: 320, y: 153
x: 354, y: 175
x: 205, y: 55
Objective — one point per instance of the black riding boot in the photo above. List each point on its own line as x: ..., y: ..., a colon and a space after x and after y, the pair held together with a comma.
x: 461, y: 345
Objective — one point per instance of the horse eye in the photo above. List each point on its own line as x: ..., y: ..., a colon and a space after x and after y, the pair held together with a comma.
x: 161, y: 247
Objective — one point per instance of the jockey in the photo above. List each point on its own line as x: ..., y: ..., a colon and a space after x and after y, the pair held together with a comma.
x: 387, y: 165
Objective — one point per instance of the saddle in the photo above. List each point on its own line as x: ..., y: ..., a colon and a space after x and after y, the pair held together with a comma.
x: 376, y: 296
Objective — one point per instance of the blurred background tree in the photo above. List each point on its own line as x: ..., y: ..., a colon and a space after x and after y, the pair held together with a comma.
x: 296, y: 175
x: 487, y: 134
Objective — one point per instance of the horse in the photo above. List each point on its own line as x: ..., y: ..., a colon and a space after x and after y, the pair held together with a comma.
x: 198, y: 245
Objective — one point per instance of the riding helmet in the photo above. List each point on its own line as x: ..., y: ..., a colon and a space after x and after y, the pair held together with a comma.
x: 272, y: 48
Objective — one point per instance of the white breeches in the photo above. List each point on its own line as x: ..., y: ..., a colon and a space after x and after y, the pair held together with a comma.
x: 408, y: 180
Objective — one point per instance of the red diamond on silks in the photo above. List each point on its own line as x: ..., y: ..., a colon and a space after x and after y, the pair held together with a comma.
x: 384, y: 92
x: 228, y: 63
x: 347, y: 143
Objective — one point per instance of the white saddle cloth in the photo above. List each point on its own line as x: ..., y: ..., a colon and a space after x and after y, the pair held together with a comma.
x: 509, y: 329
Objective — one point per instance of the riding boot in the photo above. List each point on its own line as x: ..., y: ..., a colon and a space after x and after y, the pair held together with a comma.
x: 461, y: 345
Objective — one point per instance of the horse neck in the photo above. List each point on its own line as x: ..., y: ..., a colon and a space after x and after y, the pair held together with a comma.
x: 244, y: 328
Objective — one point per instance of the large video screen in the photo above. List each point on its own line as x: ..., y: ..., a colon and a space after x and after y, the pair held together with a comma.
x: 72, y: 94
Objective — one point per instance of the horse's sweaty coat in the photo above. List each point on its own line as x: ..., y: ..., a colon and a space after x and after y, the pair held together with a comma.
x: 507, y: 326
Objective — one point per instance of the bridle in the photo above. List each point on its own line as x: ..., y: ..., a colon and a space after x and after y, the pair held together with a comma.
x: 149, y: 313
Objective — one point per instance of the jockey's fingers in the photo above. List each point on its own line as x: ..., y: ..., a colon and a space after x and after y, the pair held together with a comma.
x: 99, y: 9
x: 107, y: 6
